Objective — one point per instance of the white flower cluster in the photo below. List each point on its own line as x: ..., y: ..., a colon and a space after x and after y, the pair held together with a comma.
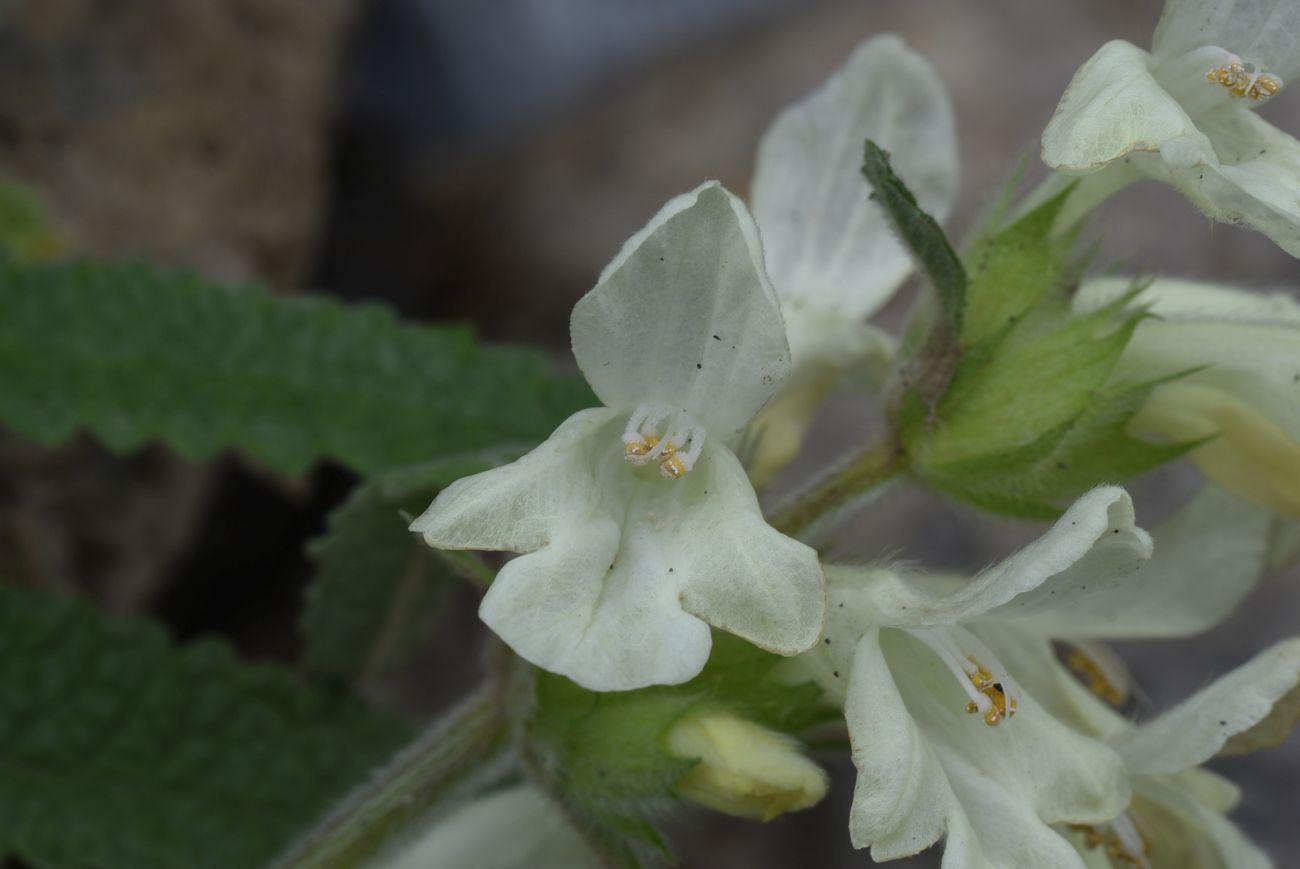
x: 981, y: 711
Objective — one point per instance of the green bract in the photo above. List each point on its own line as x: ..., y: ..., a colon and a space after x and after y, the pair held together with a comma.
x: 1021, y: 411
x: 626, y: 564
x: 1183, y: 113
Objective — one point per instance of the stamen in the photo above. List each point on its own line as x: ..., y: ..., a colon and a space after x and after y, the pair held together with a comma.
x: 990, y: 688
x: 1094, y: 675
x: 671, y: 464
x: 676, y: 452
x: 1123, y: 842
x: 1242, y: 82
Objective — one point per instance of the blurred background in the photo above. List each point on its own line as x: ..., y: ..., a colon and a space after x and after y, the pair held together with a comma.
x: 481, y: 162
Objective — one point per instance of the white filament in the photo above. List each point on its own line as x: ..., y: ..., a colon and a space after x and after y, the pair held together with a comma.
x: 960, y: 650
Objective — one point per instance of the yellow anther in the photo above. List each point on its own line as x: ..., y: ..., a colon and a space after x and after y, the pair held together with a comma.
x: 1241, y: 83
x: 670, y: 464
x: 1116, y: 851
x: 636, y: 451
x: 998, y: 709
x: 1094, y: 678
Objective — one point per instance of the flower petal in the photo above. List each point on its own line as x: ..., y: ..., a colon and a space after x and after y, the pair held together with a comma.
x: 1178, y: 300
x: 736, y: 571
x: 1208, y: 556
x: 518, y: 507
x: 1245, y: 171
x: 995, y: 829
x: 598, y: 606
x: 925, y: 766
x: 1184, y: 831
x: 1094, y: 546
x: 902, y: 796
x: 1255, y: 363
x: 684, y: 317
x: 1284, y: 548
x: 1263, y: 32
x: 1246, y: 345
x: 1196, y: 729
x: 514, y: 828
x: 1246, y: 452
x: 829, y: 248
x: 1114, y: 107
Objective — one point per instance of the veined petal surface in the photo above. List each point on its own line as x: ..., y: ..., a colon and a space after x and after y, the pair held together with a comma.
x: 1196, y: 729
x: 684, y: 318
x: 1263, y: 32
x: 1114, y: 107
x: 1207, y: 557
x: 829, y: 248
x: 925, y: 768
x: 1095, y: 545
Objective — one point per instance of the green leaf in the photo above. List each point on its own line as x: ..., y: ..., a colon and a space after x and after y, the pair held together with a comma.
x: 135, y: 353
x: 378, y: 587
x: 919, y: 232
x: 604, y: 753
x: 119, y: 750
x: 1013, y: 269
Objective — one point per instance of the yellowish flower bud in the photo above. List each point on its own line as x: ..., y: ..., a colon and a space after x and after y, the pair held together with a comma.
x: 782, y: 424
x: 1249, y: 455
x: 745, y: 769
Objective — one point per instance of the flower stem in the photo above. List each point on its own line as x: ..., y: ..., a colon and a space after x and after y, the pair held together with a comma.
x: 839, y: 488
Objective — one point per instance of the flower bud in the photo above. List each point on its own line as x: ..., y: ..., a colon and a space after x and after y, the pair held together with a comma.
x: 744, y: 769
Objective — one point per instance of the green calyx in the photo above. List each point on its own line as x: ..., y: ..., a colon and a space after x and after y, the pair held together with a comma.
x: 1021, y: 413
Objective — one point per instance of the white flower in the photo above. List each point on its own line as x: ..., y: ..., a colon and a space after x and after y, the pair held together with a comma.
x: 639, y: 525
x: 513, y: 828
x: 909, y: 653
x: 945, y: 740
x: 1184, y: 113
x: 1207, y: 557
x: 830, y: 252
x: 1177, y: 809
x: 1176, y: 819
x: 1240, y: 355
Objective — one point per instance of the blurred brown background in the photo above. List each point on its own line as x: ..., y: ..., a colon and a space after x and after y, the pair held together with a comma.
x: 481, y: 161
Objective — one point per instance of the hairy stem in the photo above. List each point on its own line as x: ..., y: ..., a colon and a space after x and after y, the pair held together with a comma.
x: 453, y: 753
x: 837, y: 490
